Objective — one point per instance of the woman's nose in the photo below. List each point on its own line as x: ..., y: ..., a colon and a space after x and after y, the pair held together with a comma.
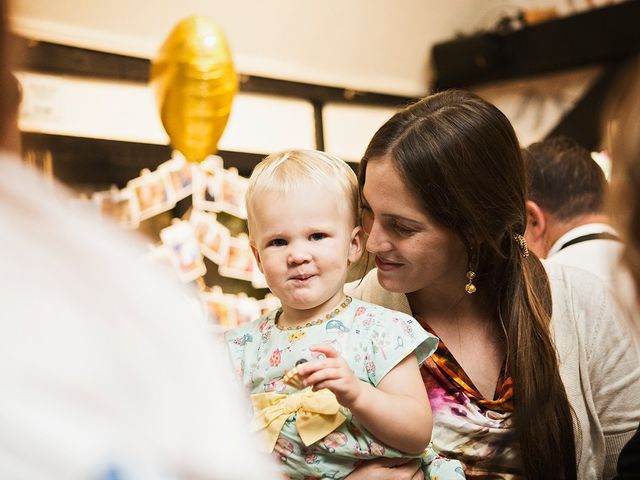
x: 377, y: 240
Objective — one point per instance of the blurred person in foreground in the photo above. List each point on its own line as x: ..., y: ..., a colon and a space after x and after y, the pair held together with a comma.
x: 108, y: 369
x: 624, y: 126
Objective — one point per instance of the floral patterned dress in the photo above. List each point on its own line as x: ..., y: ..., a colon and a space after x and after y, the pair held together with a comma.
x: 373, y: 340
x: 466, y: 426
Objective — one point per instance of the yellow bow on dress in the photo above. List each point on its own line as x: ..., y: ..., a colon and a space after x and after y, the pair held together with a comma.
x: 318, y: 414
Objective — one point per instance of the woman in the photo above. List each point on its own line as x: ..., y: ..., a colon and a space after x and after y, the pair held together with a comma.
x: 515, y: 391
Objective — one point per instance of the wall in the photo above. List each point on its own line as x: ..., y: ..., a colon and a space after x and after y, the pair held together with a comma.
x: 371, y: 45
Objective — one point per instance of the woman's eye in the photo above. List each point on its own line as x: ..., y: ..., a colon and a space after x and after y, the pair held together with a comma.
x: 402, y: 230
x: 277, y: 242
x: 317, y: 236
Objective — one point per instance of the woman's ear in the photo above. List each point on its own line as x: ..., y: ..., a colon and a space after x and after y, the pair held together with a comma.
x: 356, y: 244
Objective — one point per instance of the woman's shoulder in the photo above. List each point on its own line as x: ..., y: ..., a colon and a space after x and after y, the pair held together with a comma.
x: 368, y: 289
x: 365, y: 286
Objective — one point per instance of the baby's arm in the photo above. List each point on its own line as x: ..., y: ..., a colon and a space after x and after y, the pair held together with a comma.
x: 397, y: 411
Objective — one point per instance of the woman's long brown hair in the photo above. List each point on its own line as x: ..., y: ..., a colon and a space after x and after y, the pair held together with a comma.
x: 461, y: 157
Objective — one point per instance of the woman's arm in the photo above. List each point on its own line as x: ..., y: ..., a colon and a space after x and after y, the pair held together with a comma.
x: 388, y: 469
x: 397, y: 411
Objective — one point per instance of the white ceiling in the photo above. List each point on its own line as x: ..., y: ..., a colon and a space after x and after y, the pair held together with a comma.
x: 373, y: 45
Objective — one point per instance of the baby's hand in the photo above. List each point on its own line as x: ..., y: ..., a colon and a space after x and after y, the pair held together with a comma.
x: 333, y: 373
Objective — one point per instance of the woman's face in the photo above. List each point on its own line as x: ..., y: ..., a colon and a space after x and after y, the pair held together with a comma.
x: 412, y: 252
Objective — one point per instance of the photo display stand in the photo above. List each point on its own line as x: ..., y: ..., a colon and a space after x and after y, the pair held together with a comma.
x: 208, y: 245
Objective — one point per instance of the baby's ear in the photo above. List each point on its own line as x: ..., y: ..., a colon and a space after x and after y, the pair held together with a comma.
x: 357, y: 242
x: 256, y: 255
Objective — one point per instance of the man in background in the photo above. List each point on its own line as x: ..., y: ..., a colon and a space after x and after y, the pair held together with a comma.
x: 565, y: 208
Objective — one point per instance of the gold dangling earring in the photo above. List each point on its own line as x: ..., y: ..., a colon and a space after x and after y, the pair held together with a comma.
x: 470, y: 287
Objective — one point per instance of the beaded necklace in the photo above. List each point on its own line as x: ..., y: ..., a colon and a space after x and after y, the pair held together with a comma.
x: 318, y: 321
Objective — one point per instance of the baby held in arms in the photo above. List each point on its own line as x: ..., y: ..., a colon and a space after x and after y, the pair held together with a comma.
x: 334, y: 381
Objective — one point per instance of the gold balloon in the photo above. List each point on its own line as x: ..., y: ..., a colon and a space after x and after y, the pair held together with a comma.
x: 195, y: 83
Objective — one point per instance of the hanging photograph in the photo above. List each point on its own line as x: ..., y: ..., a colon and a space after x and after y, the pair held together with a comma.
x: 234, y: 188
x: 219, y: 307
x: 212, y: 236
x: 239, y: 263
x: 180, y: 174
x: 207, y: 187
x: 120, y: 205
x: 153, y: 192
x: 184, y: 251
x: 258, y: 280
x: 268, y: 303
x: 247, y: 309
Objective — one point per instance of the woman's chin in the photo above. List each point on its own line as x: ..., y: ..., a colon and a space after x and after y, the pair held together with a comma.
x: 391, y: 282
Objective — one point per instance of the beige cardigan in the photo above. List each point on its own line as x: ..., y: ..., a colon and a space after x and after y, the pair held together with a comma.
x: 598, y: 363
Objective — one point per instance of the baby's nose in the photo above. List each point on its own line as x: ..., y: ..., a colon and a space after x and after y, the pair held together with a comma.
x: 298, y: 256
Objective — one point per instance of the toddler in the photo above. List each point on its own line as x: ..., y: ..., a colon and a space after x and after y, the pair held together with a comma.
x: 333, y: 380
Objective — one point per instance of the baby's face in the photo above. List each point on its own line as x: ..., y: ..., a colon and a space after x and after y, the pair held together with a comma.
x: 303, y: 242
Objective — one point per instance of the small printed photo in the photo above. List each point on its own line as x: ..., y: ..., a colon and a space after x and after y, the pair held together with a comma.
x: 180, y: 173
x: 219, y: 308
x: 268, y: 303
x: 212, y: 236
x: 240, y: 262
x: 247, y: 309
x: 234, y: 188
x: 212, y: 163
x: 184, y: 251
x: 207, y: 188
x: 153, y: 192
x: 121, y: 205
x: 258, y: 280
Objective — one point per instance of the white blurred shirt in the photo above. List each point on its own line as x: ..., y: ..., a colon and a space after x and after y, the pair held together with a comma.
x: 108, y: 369
x: 598, y: 256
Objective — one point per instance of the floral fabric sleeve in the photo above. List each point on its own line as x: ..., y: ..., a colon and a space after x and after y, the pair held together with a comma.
x: 392, y: 336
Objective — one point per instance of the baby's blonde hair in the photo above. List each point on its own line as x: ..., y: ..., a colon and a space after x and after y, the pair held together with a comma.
x: 292, y: 169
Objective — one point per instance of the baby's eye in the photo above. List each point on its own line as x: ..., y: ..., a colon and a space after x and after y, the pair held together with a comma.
x: 277, y: 242
x: 317, y: 236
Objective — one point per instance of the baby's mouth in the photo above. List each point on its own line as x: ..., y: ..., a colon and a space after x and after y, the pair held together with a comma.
x: 302, y: 277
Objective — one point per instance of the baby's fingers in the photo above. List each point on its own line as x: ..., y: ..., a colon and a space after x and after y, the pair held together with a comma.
x: 323, y: 375
x: 308, y: 368
x: 327, y: 350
